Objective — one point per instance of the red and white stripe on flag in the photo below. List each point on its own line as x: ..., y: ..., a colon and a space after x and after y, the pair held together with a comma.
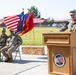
x: 12, y: 22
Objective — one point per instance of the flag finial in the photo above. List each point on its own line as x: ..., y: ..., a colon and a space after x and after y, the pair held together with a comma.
x: 23, y: 9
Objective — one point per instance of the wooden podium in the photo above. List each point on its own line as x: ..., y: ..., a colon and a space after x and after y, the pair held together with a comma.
x: 61, y: 48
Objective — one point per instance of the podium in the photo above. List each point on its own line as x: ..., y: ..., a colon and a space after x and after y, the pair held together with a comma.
x: 61, y: 49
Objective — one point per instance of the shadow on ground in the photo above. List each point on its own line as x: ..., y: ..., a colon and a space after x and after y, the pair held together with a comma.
x: 43, y: 58
x: 27, y: 61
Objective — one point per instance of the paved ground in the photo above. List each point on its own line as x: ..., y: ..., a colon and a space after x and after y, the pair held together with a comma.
x: 29, y: 65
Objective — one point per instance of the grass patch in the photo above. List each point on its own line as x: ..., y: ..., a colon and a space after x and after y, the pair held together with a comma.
x: 34, y: 37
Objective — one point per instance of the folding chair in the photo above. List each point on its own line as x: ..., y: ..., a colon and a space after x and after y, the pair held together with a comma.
x: 17, y: 54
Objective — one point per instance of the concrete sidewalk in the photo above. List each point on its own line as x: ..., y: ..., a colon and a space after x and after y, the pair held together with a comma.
x: 29, y: 65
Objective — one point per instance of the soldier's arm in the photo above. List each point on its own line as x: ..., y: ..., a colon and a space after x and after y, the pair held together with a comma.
x: 19, y: 41
x: 3, y: 40
x: 0, y: 39
x: 64, y: 27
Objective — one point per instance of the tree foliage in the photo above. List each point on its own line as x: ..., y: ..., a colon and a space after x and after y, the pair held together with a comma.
x: 35, y: 11
x: 50, y: 21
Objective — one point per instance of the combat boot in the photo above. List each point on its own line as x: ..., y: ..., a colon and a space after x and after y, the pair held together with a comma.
x: 0, y: 59
x: 10, y: 60
x: 6, y: 60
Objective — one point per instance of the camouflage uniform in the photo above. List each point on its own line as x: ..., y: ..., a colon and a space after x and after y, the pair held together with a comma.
x: 71, y: 26
x: 3, y: 38
x: 12, y: 43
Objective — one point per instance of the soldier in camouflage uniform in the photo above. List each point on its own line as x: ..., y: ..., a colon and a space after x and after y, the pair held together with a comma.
x: 3, y: 38
x: 12, y: 43
x: 71, y: 25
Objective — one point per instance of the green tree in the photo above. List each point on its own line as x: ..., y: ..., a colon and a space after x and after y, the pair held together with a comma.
x: 35, y: 11
x: 50, y: 21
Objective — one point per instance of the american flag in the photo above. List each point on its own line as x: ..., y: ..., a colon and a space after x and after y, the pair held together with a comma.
x: 12, y: 22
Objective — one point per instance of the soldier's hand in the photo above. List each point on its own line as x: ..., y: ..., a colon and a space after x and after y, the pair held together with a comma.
x: 16, y: 45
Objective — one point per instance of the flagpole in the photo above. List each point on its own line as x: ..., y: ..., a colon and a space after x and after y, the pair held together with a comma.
x: 34, y: 36
x: 30, y: 39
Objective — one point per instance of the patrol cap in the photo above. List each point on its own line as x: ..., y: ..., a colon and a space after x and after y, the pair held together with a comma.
x: 3, y: 29
x: 12, y: 29
x: 73, y: 12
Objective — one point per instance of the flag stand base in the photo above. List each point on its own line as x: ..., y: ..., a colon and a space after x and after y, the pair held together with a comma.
x: 33, y: 50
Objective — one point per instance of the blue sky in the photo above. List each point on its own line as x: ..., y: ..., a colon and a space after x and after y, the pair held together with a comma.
x: 57, y: 9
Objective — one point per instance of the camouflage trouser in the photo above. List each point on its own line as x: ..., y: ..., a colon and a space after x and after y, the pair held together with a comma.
x: 0, y: 51
x: 7, y: 51
x: 3, y: 51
